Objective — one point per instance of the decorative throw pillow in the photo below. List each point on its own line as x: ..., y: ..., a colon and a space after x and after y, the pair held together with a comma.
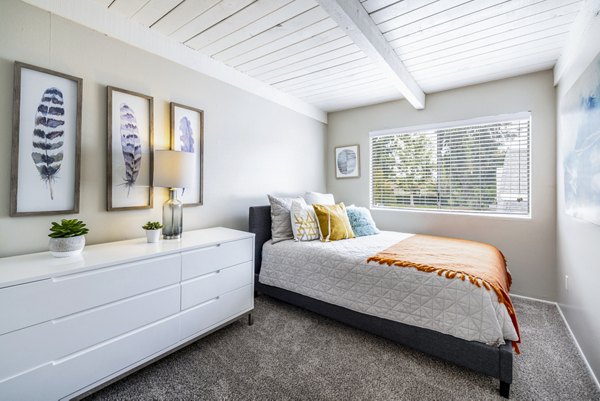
x: 313, y: 198
x: 333, y: 222
x: 281, y: 227
x: 304, y: 222
x: 361, y: 221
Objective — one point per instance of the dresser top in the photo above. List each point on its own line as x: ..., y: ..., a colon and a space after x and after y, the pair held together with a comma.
x: 38, y: 266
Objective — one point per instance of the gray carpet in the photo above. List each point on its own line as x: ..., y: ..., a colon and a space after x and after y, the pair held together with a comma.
x: 292, y: 354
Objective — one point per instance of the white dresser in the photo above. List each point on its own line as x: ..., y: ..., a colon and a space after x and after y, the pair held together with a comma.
x: 69, y: 325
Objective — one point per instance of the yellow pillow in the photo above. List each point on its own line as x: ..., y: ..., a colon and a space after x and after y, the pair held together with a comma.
x: 333, y: 222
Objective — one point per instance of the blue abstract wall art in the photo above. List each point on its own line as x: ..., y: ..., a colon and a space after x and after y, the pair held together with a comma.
x: 581, y: 146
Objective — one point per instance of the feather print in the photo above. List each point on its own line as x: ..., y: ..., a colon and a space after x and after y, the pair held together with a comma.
x: 187, y: 138
x: 187, y: 135
x: 130, y: 145
x: 48, y: 139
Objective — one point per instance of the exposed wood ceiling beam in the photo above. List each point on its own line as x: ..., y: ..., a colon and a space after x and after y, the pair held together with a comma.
x: 351, y: 16
x: 582, y: 44
x: 96, y: 16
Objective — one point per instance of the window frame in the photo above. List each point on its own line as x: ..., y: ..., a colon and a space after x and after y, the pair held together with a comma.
x: 448, y: 124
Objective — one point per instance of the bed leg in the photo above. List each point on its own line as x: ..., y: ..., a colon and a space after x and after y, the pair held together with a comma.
x: 250, y: 319
x: 506, y: 368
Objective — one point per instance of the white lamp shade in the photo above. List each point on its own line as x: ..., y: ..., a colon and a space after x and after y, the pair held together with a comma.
x: 173, y: 169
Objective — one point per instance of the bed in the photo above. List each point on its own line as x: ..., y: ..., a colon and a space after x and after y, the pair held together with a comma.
x: 314, y: 276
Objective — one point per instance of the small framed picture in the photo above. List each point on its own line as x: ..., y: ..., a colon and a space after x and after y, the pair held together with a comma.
x: 130, y: 157
x: 347, y: 161
x: 187, y: 135
x: 46, y: 142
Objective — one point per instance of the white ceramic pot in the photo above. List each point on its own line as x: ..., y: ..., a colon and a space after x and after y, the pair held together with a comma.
x: 65, y: 247
x: 153, y: 235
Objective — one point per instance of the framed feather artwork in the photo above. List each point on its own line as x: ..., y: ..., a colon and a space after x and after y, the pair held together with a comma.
x: 187, y: 135
x: 46, y: 142
x: 130, y: 157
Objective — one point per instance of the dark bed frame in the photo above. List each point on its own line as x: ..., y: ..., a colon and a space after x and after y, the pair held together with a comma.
x: 489, y: 360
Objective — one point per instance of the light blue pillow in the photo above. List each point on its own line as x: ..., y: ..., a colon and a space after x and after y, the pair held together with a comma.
x: 361, y: 221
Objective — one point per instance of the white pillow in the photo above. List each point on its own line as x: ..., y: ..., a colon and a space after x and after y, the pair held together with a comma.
x: 304, y: 222
x: 316, y: 198
x: 281, y: 228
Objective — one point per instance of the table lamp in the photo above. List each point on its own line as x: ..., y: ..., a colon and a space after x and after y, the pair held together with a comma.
x: 173, y: 170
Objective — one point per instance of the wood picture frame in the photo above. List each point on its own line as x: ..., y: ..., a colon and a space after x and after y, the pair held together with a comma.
x: 187, y: 134
x: 346, y: 161
x: 45, y: 174
x: 130, y: 153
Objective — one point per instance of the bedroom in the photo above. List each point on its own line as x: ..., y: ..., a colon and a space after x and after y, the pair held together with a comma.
x: 279, y: 87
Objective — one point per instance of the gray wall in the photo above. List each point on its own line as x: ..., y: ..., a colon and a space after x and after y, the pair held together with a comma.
x: 578, y: 242
x: 529, y: 245
x: 252, y: 146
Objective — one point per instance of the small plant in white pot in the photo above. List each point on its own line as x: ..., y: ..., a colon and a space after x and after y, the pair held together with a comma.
x: 153, y: 229
x: 67, y: 238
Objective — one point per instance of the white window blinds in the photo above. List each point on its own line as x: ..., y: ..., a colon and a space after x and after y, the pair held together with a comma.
x: 475, y: 166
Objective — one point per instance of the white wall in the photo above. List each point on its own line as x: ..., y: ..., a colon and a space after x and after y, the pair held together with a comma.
x: 529, y: 245
x: 252, y: 146
x: 578, y: 242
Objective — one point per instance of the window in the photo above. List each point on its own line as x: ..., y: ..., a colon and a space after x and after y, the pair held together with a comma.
x: 476, y: 166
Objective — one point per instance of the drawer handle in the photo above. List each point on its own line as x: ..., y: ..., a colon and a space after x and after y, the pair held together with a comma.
x: 207, y: 248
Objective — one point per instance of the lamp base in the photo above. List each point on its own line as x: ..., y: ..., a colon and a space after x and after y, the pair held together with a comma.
x: 172, y: 216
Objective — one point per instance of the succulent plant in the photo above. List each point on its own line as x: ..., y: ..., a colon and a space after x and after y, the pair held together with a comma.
x: 68, y: 228
x: 152, y: 225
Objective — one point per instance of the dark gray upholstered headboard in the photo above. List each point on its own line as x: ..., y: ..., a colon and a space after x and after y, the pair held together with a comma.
x: 260, y: 225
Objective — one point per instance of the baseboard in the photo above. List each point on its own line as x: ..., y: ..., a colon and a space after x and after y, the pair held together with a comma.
x: 589, y: 367
x: 585, y: 361
x: 532, y: 299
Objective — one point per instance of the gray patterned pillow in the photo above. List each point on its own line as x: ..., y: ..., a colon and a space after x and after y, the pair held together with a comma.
x: 281, y: 226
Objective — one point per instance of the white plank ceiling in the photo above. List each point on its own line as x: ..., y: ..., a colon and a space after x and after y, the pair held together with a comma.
x: 297, y: 48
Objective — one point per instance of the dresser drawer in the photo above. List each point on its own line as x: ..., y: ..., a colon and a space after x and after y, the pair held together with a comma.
x: 56, y: 380
x: 211, y: 285
x: 29, y: 304
x: 217, y: 310
x: 33, y: 346
x: 206, y: 260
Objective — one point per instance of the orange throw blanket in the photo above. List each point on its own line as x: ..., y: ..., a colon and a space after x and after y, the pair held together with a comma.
x: 483, y: 264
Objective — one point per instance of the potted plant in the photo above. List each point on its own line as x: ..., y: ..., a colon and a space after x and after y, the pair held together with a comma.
x: 67, y: 238
x: 153, y: 229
